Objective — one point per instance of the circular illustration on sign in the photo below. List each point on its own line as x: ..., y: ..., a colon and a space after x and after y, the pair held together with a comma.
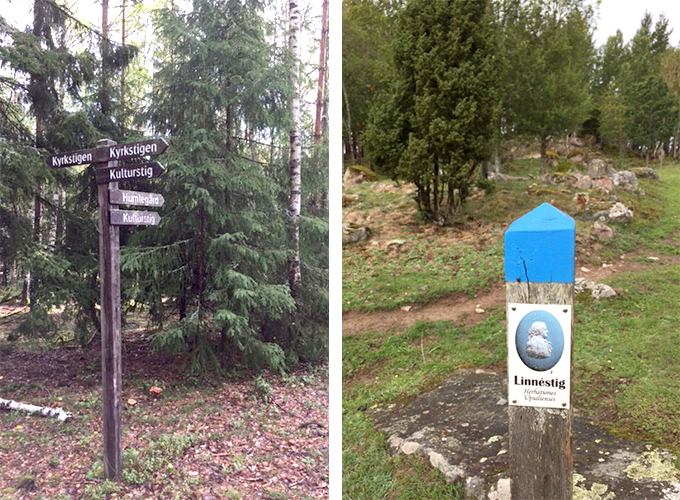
x: 539, y: 340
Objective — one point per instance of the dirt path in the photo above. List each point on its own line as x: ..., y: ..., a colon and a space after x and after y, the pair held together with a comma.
x: 459, y: 308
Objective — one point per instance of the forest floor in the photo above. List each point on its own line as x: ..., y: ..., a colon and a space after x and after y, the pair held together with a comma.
x: 421, y: 301
x: 238, y: 437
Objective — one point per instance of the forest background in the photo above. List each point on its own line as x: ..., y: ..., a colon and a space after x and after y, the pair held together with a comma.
x: 534, y: 70
x: 218, y: 81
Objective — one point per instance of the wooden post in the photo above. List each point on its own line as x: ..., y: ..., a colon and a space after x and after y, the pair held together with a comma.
x: 109, y: 276
x: 539, y: 269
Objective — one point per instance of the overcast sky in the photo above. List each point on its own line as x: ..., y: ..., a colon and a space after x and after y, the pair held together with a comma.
x: 625, y: 15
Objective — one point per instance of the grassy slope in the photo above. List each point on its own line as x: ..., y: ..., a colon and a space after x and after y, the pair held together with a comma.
x: 429, y: 266
x: 627, y: 376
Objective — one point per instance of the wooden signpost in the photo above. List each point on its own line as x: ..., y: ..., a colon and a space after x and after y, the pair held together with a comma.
x: 108, y: 173
x: 108, y: 152
x: 129, y: 172
x: 539, y: 275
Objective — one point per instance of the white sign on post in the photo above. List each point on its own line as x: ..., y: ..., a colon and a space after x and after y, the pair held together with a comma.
x: 539, y: 355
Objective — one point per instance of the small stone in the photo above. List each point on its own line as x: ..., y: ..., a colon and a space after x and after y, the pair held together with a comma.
x: 482, y: 460
x: 585, y: 269
x: 602, y: 291
x: 601, y: 231
x: 406, y: 308
x: 653, y: 258
x: 409, y: 447
x: 478, y: 309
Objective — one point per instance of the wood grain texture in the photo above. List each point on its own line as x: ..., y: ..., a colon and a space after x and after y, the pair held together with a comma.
x: 109, y: 275
x: 541, y: 461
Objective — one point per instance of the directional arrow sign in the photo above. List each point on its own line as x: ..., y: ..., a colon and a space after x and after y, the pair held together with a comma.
x: 129, y: 172
x: 133, y: 218
x: 152, y: 147
x: 137, y: 198
x: 79, y: 157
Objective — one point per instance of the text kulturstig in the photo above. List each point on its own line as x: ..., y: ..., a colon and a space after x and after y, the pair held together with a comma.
x: 116, y: 174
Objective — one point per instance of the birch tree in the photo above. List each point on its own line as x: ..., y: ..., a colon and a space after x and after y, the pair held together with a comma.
x: 294, y: 275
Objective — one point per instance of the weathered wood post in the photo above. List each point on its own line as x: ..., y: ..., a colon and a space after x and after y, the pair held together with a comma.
x: 109, y: 275
x: 539, y: 275
x: 107, y: 172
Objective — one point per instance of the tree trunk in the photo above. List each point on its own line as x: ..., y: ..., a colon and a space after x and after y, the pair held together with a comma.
x: 451, y: 203
x: 350, y: 140
x: 229, y: 143
x: 544, y: 144
x: 322, y: 72
x: 52, y: 240
x: 496, y: 166
x: 104, y: 95
x: 122, y: 71
x: 294, y: 274
x: 435, y: 188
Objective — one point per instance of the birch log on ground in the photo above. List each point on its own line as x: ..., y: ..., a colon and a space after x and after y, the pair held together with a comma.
x: 43, y: 411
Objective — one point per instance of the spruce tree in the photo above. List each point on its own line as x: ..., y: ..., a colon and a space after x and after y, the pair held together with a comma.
x: 219, y: 255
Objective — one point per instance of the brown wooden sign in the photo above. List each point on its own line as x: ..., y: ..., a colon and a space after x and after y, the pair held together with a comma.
x: 133, y: 218
x: 80, y: 157
x: 129, y: 172
x: 151, y: 147
x: 136, y: 198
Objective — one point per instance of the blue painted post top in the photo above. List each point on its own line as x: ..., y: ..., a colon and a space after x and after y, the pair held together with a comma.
x: 539, y: 247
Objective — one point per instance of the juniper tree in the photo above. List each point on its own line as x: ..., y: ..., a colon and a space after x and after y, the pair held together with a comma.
x: 434, y: 127
x: 651, y: 107
x: 547, y: 85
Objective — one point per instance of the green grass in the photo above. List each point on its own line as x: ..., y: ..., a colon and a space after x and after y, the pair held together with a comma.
x: 626, y: 377
x: 379, y: 369
x: 425, y: 269
x: 626, y: 355
x: 626, y: 349
x: 428, y: 267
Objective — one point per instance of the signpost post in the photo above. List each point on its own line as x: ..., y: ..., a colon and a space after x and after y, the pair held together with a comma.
x: 108, y: 173
x: 539, y: 275
x: 112, y: 376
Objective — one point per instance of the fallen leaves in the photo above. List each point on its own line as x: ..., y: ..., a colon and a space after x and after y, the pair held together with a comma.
x: 244, y: 448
